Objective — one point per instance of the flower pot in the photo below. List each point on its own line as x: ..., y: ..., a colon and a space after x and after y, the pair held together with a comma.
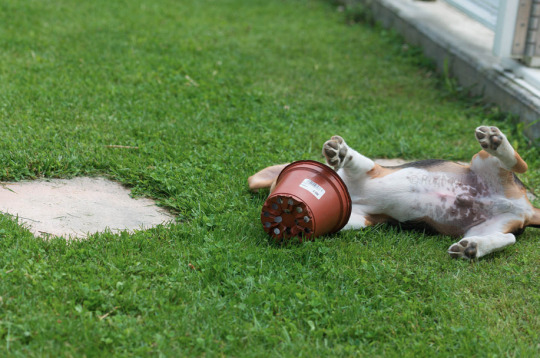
x: 309, y: 200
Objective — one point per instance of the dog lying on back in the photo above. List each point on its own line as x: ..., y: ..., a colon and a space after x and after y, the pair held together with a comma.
x: 483, y: 202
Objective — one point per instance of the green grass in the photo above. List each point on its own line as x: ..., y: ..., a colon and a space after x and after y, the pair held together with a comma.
x: 210, y: 92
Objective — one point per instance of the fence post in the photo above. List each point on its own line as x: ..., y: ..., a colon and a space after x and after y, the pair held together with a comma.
x: 505, y: 30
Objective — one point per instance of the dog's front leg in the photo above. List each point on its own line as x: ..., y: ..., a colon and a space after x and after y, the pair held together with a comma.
x: 356, y: 221
x: 355, y: 169
x: 340, y: 156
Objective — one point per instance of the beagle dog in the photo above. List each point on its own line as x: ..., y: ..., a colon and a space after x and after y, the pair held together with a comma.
x: 484, y: 203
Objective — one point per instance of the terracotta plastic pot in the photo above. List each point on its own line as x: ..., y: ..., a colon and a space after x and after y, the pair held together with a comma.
x: 309, y: 200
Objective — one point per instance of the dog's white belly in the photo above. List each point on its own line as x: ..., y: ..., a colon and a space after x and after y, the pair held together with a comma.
x: 452, y: 202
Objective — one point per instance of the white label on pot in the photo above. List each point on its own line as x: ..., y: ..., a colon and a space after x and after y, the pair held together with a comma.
x: 313, y: 188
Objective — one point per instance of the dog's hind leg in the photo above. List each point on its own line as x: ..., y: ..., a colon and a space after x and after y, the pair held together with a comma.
x: 496, y: 145
x: 340, y: 156
x: 474, y: 247
x: 490, y: 236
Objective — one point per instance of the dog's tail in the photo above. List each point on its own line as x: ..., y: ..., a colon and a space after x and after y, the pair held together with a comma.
x: 535, y: 220
x: 266, y: 178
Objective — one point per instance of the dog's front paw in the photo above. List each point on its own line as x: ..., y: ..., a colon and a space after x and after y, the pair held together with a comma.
x: 464, y: 249
x: 490, y: 138
x: 335, y: 151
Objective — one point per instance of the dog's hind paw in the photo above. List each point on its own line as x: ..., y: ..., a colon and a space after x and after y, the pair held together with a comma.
x: 335, y: 151
x: 464, y: 249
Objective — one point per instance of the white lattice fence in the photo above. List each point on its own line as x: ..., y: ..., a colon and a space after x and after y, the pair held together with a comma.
x: 484, y: 11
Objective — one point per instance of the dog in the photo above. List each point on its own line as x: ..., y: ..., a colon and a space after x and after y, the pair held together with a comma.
x: 483, y: 203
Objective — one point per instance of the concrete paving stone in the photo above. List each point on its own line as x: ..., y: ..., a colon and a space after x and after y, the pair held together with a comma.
x: 75, y: 208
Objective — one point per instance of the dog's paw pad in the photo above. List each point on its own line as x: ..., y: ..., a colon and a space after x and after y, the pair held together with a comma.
x: 335, y: 151
x: 463, y: 249
x: 338, y: 139
x: 490, y: 138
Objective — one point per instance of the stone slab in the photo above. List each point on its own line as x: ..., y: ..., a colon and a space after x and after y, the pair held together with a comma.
x: 75, y: 208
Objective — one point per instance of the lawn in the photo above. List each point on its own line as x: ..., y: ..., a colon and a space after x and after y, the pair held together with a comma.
x: 207, y: 93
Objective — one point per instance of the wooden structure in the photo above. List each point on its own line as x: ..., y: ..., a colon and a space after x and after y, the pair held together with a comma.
x: 516, y: 24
